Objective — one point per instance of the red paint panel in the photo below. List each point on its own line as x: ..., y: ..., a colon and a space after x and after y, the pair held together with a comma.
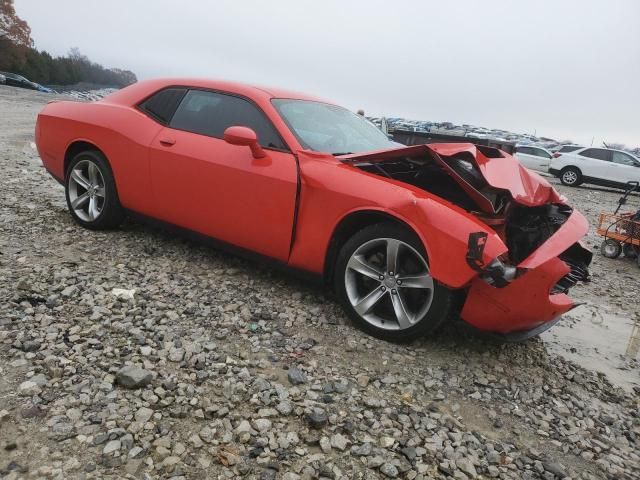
x: 522, y: 305
x: 217, y: 189
x: 332, y: 190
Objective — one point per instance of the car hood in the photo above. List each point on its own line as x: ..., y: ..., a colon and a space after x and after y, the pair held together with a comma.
x: 500, y: 170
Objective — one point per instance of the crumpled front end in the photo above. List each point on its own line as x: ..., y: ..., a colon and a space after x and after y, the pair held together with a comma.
x: 523, y: 287
x: 538, y: 292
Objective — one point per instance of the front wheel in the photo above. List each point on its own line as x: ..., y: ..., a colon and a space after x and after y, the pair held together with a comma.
x: 383, y: 280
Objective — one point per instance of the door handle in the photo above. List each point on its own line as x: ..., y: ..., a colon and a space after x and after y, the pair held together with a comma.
x: 167, y: 142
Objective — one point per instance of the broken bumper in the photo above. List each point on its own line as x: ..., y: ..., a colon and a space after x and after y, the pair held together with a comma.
x: 534, y: 298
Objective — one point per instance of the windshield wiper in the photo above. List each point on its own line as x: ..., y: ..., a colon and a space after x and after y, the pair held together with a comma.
x: 341, y: 153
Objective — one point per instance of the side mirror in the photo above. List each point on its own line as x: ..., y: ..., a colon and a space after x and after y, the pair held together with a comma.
x: 244, y: 137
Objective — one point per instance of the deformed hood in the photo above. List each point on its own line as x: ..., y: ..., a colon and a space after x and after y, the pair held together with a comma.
x: 499, y: 170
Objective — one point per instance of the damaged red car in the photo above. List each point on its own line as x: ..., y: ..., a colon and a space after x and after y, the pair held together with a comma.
x: 403, y: 235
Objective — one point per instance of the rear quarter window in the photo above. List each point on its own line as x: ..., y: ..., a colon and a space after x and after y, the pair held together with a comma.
x: 162, y: 105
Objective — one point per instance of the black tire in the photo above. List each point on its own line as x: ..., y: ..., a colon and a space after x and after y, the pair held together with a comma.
x: 571, y: 176
x: 111, y: 213
x: 630, y: 251
x: 440, y: 304
x: 610, y: 248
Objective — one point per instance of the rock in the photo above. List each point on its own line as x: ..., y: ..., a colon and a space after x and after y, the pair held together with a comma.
x: 389, y: 470
x: 340, y: 442
x: 111, y: 447
x: 555, y: 468
x: 133, y: 377
x: 143, y: 415
x: 363, y: 450
x: 466, y: 466
x: 316, y: 419
x: 262, y: 424
x: 387, y: 442
x: 296, y: 376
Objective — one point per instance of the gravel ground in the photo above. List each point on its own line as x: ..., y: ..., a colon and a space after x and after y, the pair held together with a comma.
x: 138, y: 354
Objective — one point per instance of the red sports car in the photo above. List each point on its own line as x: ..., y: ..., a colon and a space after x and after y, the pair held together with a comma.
x: 403, y: 235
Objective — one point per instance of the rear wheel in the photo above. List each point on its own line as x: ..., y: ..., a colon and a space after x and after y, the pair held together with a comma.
x: 611, y: 248
x: 571, y: 177
x: 91, y: 192
x: 384, y: 283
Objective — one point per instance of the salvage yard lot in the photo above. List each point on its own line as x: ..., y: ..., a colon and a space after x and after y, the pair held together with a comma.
x: 255, y: 375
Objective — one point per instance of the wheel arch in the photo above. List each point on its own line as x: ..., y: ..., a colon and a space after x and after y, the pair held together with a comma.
x: 76, y: 147
x: 353, y: 222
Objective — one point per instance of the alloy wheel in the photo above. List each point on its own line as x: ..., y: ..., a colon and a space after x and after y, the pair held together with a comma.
x: 570, y: 177
x: 87, y: 190
x: 388, y: 284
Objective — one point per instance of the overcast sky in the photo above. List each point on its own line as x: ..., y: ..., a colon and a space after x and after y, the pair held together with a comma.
x: 565, y: 69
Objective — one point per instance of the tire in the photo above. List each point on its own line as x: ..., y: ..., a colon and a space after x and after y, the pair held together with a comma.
x: 571, y: 177
x: 398, y: 306
x: 610, y: 248
x: 630, y: 251
x: 91, y: 194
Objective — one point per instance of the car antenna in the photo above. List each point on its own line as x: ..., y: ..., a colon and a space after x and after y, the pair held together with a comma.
x: 605, y: 145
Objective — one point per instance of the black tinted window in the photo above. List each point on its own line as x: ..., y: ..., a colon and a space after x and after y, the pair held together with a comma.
x: 525, y: 150
x: 597, y: 153
x: 209, y: 113
x: 568, y: 148
x: 162, y: 105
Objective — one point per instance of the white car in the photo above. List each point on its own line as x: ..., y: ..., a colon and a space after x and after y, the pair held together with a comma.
x: 534, y: 158
x: 598, y: 166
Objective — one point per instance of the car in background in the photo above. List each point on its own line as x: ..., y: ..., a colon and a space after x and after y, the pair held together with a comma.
x: 565, y: 149
x: 534, y: 158
x: 595, y: 165
x: 42, y: 88
x: 15, y: 80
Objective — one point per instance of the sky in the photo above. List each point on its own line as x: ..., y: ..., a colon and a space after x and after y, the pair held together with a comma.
x: 567, y: 69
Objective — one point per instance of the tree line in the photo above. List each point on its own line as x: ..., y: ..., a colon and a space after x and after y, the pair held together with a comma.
x: 18, y: 55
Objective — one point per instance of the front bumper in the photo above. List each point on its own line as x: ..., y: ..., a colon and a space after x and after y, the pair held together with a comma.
x: 533, y: 298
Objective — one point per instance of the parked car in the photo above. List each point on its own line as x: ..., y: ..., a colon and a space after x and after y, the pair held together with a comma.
x: 401, y: 234
x: 42, y: 88
x: 15, y: 80
x: 598, y: 166
x: 560, y: 149
x: 534, y: 158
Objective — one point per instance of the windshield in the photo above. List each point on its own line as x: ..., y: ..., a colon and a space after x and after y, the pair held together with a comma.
x: 329, y: 128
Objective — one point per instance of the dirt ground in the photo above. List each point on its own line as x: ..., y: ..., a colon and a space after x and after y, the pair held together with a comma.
x: 243, y: 372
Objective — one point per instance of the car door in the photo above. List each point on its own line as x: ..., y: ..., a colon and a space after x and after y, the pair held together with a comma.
x: 524, y: 155
x: 625, y: 167
x: 202, y: 183
x: 596, y: 163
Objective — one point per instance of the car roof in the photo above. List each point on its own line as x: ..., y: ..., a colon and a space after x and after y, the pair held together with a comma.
x: 140, y: 90
x: 582, y: 149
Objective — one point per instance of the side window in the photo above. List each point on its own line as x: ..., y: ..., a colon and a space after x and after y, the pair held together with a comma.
x: 623, y: 159
x: 540, y: 153
x: 210, y: 113
x: 568, y: 148
x: 163, y: 104
x: 597, y: 153
x: 525, y: 150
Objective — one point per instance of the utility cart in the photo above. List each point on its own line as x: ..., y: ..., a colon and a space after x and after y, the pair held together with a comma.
x: 621, y: 231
